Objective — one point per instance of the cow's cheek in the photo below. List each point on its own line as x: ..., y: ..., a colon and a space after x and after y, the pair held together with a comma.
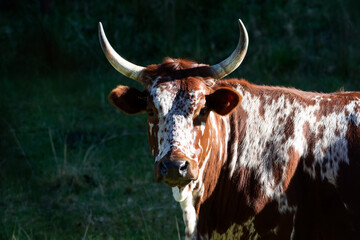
x: 153, y: 138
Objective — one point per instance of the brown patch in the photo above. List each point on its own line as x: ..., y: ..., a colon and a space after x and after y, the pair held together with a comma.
x: 217, y: 211
x: 280, y: 120
x: 289, y: 126
x: 277, y: 172
x: 262, y: 107
x: 357, y: 107
x: 270, y: 155
x: 335, y: 103
x: 320, y: 134
x: 309, y: 158
x: 249, y: 185
x: 233, y: 200
x: 291, y: 166
x: 214, y: 164
x: 306, y: 130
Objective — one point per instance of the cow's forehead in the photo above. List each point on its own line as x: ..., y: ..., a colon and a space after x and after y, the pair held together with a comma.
x: 189, y: 84
x: 183, y: 95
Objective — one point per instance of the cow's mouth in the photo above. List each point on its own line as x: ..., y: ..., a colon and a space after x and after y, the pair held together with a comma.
x: 180, y: 183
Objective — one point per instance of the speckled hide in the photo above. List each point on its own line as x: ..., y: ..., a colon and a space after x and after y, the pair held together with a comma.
x: 254, y: 162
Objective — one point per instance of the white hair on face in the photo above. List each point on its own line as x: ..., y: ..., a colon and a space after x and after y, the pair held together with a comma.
x: 176, y: 111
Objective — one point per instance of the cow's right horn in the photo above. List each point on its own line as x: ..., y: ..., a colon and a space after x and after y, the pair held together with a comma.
x: 120, y: 64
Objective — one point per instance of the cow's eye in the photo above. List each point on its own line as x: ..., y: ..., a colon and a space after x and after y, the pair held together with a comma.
x: 150, y: 112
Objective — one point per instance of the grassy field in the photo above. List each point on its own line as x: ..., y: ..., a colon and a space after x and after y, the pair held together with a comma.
x: 71, y: 165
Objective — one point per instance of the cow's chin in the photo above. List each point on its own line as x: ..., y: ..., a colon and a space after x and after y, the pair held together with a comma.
x: 180, y: 194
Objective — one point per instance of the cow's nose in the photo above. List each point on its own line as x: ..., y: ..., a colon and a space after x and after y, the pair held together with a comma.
x: 174, y: 168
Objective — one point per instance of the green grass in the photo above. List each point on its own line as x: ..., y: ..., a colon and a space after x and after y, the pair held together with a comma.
x: 73, y: 167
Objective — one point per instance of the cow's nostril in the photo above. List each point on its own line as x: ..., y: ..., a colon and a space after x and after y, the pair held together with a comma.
x: 174, y: 169
x: 163, y: 169
x: 183, y: 168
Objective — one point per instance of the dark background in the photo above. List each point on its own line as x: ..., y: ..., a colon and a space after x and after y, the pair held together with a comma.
x: 286, y: 37
x: 73, y: 167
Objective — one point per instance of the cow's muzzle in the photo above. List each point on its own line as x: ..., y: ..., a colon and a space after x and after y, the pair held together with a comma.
x: 175, y: 173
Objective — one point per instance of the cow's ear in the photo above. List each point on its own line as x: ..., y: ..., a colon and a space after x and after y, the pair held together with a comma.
x: 128, y: 99
x: 223, y: 101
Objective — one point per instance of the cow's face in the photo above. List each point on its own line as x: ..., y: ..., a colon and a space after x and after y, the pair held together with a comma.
x: 179, y: 123
x: 180, y: 99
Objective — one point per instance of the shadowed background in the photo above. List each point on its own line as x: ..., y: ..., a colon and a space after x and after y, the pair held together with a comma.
x: 71, y: 166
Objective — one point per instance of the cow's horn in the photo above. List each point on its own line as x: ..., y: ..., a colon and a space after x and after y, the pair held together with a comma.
x: 227, y: 66
x: 120, y: 64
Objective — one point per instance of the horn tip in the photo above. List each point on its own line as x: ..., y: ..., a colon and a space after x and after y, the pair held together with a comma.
x: 241, y: 24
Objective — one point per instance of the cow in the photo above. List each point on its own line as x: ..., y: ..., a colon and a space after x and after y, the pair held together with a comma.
x: 243, y: 160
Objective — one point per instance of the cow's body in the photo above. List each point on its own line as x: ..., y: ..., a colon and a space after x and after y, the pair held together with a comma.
x: 288, y: 167
x: 245, y: 160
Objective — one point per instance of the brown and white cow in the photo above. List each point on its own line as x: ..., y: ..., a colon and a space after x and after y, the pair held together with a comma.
x: 244, y: 160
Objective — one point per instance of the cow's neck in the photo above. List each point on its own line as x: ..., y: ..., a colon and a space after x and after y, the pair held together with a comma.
x: 214, y: 158
x: 231, y: 194
x: 236, y: 185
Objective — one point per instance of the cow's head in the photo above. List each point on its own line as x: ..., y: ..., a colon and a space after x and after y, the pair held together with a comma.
x: 181, y: 99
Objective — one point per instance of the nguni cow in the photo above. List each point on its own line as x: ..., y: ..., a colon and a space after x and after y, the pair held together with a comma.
x: 243, y: 160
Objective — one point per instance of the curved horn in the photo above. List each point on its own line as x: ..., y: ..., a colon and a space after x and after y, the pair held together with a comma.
x: 227, y: 66
x: 120, y: 64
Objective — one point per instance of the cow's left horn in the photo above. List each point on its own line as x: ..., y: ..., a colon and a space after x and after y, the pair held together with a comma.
x: 227, y: 66
x: 120, y: 64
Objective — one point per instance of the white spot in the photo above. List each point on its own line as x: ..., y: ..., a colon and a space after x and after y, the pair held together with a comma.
x: 234, y: 151
x: 202, y: 127
x: 180, y: 194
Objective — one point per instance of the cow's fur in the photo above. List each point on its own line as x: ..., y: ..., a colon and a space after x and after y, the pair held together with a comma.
x: 265, y: 162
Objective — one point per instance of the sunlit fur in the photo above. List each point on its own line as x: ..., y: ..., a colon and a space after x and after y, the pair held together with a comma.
x: 265, y: 168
